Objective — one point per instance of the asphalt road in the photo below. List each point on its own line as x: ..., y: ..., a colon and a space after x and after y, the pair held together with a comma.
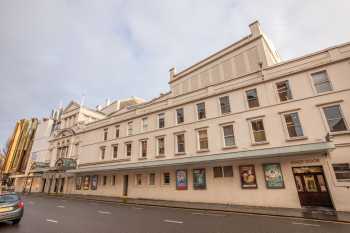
x: 56, y: 215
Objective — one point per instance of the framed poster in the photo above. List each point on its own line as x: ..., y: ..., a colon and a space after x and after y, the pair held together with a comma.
x: 94, y: 181
x: 78, y: 181
x: 181, y: 179
x: 273, y: 176
x: 86, y: 182
x: 248, y: 177
x: 199, y: 181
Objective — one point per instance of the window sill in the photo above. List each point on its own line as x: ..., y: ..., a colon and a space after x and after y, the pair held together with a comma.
x: 229, y: 147
x: 296, y: 138
x: 323, y: 92
x: 339, y: 133
x: 203, y: 150
x: 343, y: 183
x: 160, y: 156
x: 180, y: 153
x: 260, y: 143
x: 142, y: 158
x: 122, y: 160
x: 285, y: 101
x: 255, y: 107
x: 223, y: 177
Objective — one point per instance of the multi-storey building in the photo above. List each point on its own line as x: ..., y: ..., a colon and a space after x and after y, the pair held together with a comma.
x: 239, y: 127
x: 39, y: 161
x: 18, y: 151
x: 65, y: 141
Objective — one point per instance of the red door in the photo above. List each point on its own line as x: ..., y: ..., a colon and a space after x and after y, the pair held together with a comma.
x: 312, y: 186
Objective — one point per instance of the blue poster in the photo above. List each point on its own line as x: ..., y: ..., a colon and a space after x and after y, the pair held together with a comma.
x: 273, y: 176
x: 181, y: 179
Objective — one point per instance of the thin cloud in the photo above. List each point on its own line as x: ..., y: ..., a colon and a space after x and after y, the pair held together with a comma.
x: 52, y: 51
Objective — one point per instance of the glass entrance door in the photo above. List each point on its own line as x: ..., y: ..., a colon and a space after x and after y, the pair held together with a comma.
x: 43, y: 188
x: 126, y: 184
x: 62, y: 185
x: 311, y: 186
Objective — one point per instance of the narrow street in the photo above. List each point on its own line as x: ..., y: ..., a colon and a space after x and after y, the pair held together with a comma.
x: 56, y: 215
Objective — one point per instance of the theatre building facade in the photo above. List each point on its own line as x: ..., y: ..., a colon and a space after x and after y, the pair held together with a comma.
x: 239, y: 127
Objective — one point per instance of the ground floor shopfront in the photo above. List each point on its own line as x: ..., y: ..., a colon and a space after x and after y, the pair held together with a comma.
x: 49, y: 182
x: 268, y: 178
x: 293, y: 182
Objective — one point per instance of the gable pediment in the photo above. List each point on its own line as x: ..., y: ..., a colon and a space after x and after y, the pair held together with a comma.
x: 71, y: 107
x: 65, y: 133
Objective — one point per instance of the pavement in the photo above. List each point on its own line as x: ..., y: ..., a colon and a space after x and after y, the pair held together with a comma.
x: 52, y: 214
x: 306, y: 213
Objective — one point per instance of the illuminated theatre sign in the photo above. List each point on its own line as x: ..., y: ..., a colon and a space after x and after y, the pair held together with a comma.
x: 65, y: 164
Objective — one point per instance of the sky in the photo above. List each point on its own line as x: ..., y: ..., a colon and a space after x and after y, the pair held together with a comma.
x: 52, y: 52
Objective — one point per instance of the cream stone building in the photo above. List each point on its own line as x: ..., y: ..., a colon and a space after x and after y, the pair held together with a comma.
x: 239, y: 127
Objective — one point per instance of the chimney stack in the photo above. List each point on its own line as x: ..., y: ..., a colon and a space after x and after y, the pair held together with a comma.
x: 108, y: 102
x: 255, y: 28
x: 172, y: 72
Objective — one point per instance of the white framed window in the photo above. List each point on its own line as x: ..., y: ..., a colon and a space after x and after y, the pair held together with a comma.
x: 201, y: 113
x: 128, y: 148
x: 161, y: 120
x: 161, y: 146
x: 58, y: 155
x: 138, y: 179
x: 102, y: 152
x: 252, y: 98
x: 76, y: 149
x: 105, y: 134
x: 258, y: 130
x: 130, y: 128
x: 180, y: 143
x: 283, y: 90
x: 225, y: 104
x: 342, y: 172
x: 180, y: 118
x: 203, y: 142
x: 115, y: 151
x: 293, y: 125
x: 152, y: 179
x: 228, y: 135
x: 166, y: 178
x: 114, y: 180
x: 117, y: 131
x: 335, y: 119
x: 65, y: 151
x: 321, y: 81
x: 223, y: 171
x: 143, y: 149
x: 144, y: 125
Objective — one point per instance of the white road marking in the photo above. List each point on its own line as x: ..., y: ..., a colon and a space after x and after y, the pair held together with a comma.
x: 209, y: 214
x: 103, y: 212
x: 305, y: 224
x: 60, y: 206
x: 172, y: 221
x: 288, y: 217
x: 51, y: 220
